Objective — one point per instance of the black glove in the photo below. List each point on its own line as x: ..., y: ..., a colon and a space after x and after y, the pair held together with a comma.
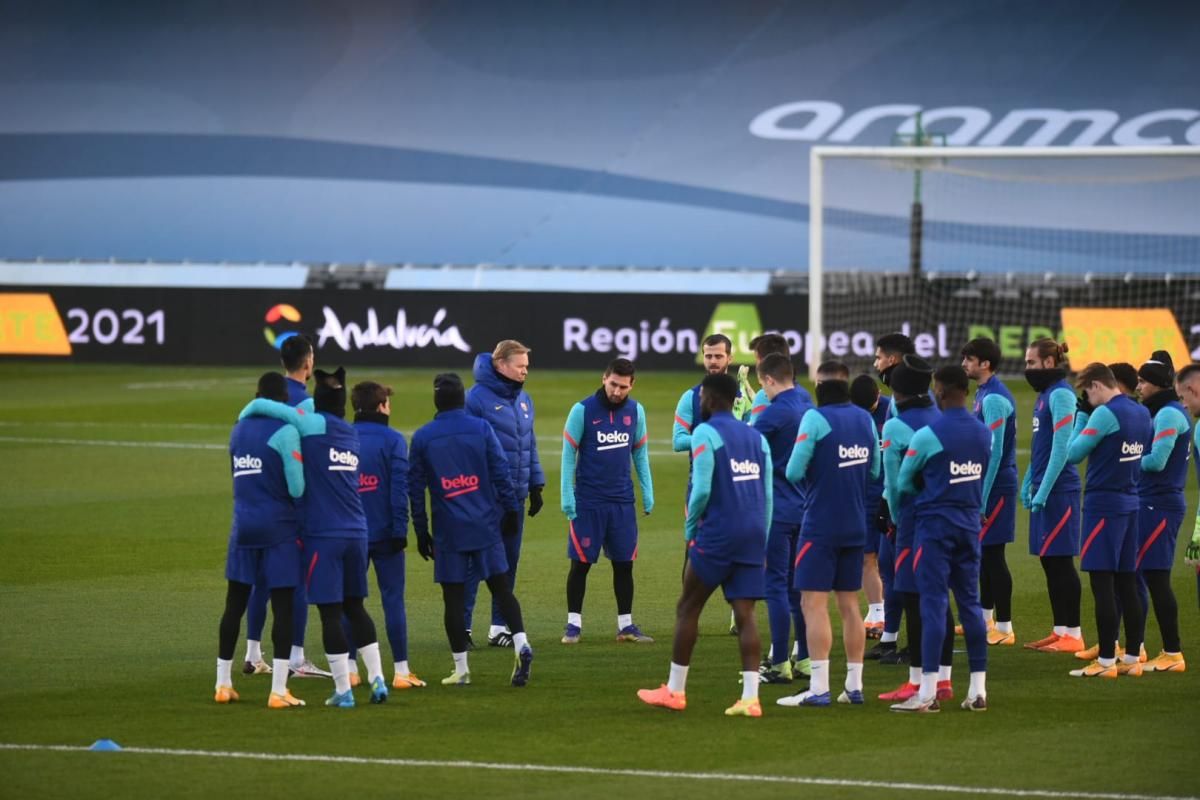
x: 883, y: 516
x: 398, y: 543
x: 535, y: 501
x: 1083, y: 404
x: 510, y: 523
x: 425, y: 544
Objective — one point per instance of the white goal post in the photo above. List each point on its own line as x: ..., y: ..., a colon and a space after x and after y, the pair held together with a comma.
x: 919, y: 158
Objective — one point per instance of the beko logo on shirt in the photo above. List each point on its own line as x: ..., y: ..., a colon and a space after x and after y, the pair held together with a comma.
x: 1037, y: 423
x: 342, y: 460
x: 965, y: 471
x: 611, y: 440
x: 246, y: 465
x: 460, y: 484
x: 852, y: 456
x: 744, y: 470
x: 1132, y: 451
x: 367, y: 483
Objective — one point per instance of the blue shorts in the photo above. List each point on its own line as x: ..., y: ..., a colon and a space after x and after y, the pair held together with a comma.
x: 903, y: 577
x: 274, y: 567
x: 1110, y: 541
x: 825, y: 567
x: 873, y: 534
x: 1000, y: 519
x: 1157, y: 530
x: 737, y: 581
x: 887, y: 560
x: 612, y: 526
x: 450, y: 566
x: 1054, y: 531
x: 334, y: 569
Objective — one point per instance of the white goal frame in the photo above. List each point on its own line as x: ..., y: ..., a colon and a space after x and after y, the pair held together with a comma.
x: 816, y: 200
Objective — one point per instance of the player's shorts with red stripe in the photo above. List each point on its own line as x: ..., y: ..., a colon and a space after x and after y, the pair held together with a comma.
x: 1158, y: 529
x: 450, y: 566
x: 612, y: 526
x: 738, y: 581
x: 1054, y: 531
x: 823, y: 566
x: 1000, y: 517
x: 334, y: 569
x: 1109, y: 541
x: 276, y: 566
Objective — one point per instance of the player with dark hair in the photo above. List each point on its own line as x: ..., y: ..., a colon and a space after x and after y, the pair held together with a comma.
x: 763, y: 346
x: 383, y: 487
x: 297, y: 357
x: 1162, y: 503
x: 1050, y: 490
x: 950, y: 456
x: 604, y: 433
x: 1126, y: 375
x: 267, y: 480
x: 729, y: 516
x: 717, y: 352
x: 1114, y: 438
x: 835, y: 455
x: 458, y: 459
x: 779, y: 423
x: 890, y: 350
x: 1187, y: 385
x: 883, y: 609
x: 915, y: 410
x: 995, y: 408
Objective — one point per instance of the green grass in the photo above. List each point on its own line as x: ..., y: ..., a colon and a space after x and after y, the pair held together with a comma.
x: 111, y: 585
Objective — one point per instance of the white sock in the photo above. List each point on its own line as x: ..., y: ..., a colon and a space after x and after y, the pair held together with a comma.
x: 1106, y: 662
x: 944, y: 673
x: 279, y: 675
x: 520, y: 641
x: 253, y: 651
x: 1076, y: 632
x: 914, y: 676
x: 339, y: 665
x: 889, y: 638
x: 224, y: 673
x: 875, y: 612
x: 928, y: 686
x: 1132, y: 658
x: 296, y: 659
x: 1060, y: 630
x: 978, y: 687
x: 460, y: 663
x: 988, y: 614
x: 771, y: 654
x: 624, y: 621
x: 854, y: 677
x: 749, y: 684
x: 370, y: 657
x: 1004, y: 627
x: 495, y: 630
x: 402, y: 668
x: 677, y: 682
x: 819, y: 684
x: 575, y: 619
x: 796, y: 649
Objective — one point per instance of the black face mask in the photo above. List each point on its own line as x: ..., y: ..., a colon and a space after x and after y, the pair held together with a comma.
x: 884, y: 376
x: 371, y: 416
x: 920, y: 401
x: 1043, y: 379
x: 833, y: 392
x: 602, y: 396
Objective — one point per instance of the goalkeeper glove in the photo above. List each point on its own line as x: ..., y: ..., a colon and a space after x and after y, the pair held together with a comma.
x: 1191, y: 556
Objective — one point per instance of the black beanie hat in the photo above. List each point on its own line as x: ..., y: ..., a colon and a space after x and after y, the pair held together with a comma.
x: 1159, y: 370
x: 911, y: 376
x: 329, y: 391
x: 448, y: 392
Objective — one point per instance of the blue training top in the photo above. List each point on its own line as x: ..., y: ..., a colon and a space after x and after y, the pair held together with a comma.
x: 897, y: 433
x: 383, y: 480
x: 268, y: 476
x: 951, y: 455
x: 996, y: 408
x: 459, y: 460
x: 729, y: 506
x: 779, y: 424
x: 1048, y: 472
x: 1164, y: 467
x: 836, y: 453
x: 599, y: 443
x: 1113, y: 440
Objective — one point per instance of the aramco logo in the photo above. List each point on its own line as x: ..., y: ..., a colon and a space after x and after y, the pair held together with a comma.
x: 274, y: 314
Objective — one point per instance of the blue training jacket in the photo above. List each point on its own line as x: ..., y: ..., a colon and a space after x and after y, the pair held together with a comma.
x: 458, y: 459
x: 383, y: 480
x: 509, y: 410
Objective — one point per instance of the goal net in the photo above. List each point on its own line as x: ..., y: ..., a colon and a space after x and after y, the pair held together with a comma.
x: 1098, y: 245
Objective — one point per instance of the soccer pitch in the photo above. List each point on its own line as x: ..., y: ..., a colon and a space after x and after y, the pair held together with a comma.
x: 116, y: 502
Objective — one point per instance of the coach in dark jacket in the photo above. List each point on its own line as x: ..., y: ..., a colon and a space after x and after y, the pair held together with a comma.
x: 499, y: 397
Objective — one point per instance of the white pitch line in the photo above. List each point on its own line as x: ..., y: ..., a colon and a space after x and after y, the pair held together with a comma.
x: 115, y: 443
x: 734, y: 777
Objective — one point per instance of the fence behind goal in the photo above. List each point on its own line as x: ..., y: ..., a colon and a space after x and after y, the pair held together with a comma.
x: 952, y: 242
